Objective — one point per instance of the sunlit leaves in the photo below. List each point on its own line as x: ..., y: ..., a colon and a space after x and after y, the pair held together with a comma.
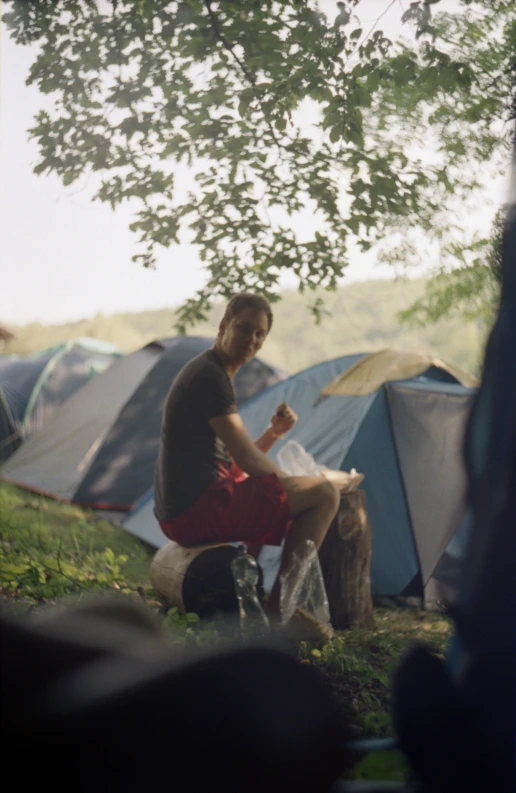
x: 470, y: 288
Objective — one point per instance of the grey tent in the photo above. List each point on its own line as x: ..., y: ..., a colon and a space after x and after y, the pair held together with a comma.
x: 406, y: 438
x: 33, y: 386
x: 100, y: 447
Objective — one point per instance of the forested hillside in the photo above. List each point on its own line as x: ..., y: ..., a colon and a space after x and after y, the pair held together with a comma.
x: 362, y: 317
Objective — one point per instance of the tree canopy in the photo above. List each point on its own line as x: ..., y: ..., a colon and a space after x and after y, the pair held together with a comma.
x: 471, y: 289
x: 298, y: 129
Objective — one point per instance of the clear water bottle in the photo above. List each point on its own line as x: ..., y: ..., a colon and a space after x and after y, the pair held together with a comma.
x: 253, y: 619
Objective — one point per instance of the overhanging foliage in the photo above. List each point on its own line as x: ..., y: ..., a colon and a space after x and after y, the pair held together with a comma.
x: 148, y: 93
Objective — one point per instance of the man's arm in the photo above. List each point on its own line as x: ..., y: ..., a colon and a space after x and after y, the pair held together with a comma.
x: 247, y: 456
x: 266, y: 441
x: 264, y: 444
x: 282, y: 421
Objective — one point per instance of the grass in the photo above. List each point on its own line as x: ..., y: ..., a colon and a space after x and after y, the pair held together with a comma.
x: 360, y: 662
x: 50, y: 551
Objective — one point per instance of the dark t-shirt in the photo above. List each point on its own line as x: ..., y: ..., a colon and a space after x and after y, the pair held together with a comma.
x: 190, y: 455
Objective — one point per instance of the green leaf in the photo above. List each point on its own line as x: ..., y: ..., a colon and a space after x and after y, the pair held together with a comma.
x: 69, y: 177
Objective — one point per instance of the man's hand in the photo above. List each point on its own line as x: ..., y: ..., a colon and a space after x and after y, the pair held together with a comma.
x: 283, y: 420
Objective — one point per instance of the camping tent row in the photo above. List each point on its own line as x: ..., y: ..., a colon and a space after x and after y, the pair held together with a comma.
x: 99, y: 449
x: 33, y: 386
x: 406, y: 437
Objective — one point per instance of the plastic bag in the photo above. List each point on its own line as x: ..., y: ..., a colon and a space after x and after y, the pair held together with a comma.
x: 296, y: 461
x: 302, y: 586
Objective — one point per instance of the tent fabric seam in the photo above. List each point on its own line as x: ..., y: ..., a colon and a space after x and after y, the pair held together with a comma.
x: 37, y: 490
x: 42, y: 379
x: 101, y: 505
x: 16, y: 434
x: 3, y: 400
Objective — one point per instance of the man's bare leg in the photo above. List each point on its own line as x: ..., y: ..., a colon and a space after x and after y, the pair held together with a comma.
x: 313, y: 503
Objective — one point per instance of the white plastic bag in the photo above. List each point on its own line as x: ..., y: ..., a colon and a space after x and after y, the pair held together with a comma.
x: 296, y: 461
x: 302, y: 586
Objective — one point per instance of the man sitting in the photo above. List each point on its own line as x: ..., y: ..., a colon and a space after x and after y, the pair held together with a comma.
x: 212, y: 482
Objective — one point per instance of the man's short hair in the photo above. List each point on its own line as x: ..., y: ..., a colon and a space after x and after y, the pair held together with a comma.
x: 240, y: 302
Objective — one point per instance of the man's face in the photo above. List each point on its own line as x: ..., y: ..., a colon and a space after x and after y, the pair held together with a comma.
x: 242, y: 336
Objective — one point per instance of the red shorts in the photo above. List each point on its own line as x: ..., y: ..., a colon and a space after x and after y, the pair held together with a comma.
x: 251, y: 510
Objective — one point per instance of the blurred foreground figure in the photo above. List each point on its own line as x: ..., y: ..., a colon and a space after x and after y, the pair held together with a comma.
x: 95, y: 699
x: 457, y: 721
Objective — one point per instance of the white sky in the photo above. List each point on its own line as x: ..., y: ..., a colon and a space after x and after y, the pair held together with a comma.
x: 63, y: 257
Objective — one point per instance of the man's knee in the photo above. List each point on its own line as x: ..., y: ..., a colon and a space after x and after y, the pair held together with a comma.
x: 309, y: 492
x: 329, y: 495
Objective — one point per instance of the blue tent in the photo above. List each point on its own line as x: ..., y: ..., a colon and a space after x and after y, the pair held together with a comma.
x: 33, y: 386
x: 406, y: 438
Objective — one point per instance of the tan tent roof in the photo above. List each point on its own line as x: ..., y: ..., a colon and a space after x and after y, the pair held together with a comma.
x: 370, y: 372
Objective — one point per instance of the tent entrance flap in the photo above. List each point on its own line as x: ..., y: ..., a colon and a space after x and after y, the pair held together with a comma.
x: 428, y: 428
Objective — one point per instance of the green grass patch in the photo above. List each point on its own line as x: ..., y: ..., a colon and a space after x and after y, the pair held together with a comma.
x: 379, y: 766
x: 359, y: 663
x: 50, y: 550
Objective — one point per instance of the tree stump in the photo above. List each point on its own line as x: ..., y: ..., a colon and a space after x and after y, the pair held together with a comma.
x: 345, y: 557
x: 197, y: 579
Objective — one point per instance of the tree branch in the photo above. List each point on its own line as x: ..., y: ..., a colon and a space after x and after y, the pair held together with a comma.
x: 219, y: 35
x: 225, y: 43
x: 371, y: 30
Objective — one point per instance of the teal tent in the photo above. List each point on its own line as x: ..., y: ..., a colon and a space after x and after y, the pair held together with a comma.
x: 33, y: 386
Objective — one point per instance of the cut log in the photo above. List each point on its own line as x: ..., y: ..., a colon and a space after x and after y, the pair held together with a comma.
x: 197, y: 579
x: 345, y: 557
